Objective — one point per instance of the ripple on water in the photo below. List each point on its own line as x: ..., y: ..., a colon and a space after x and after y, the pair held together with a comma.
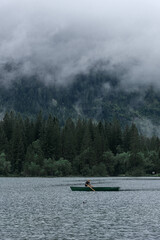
x: 46, y: 208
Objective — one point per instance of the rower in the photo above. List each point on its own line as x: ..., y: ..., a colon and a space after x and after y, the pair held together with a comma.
x: 87, y: 183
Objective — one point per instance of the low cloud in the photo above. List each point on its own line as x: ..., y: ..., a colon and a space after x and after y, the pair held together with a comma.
x: 57, y: 39
x: 147, y: 127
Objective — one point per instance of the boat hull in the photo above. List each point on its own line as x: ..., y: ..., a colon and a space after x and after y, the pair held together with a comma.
x: 95, y: 188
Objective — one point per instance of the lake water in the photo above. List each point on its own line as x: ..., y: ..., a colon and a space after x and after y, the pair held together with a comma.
x: 46, y: 208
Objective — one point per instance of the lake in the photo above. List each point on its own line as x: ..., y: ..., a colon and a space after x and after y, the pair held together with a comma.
x: 46, y: 208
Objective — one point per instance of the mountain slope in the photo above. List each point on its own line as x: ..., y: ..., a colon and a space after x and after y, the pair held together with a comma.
x: 96, y: 95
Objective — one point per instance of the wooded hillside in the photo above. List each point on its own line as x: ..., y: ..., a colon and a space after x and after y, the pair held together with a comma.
x: 42, y: 147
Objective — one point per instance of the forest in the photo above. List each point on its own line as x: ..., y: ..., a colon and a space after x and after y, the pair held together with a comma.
x: 97, y: 95
x: 43, y: 147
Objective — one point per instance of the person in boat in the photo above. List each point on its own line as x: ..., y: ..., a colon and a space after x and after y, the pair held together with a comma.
x: 88, y: 183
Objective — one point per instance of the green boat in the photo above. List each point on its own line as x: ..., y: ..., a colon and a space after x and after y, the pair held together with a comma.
x: 95, y: 188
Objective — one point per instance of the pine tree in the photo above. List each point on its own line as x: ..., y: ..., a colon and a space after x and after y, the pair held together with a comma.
x: 28, y: 131
x: 88, y: 136
x: 51, y: 142
x: 126, y: 139
x: 69, y: 140
x: 8, y: 124
x: 38, y: 126
x: 17, y: 150
x: 99, y: 142
x: 134, y: 139
x: 79, y: 133
x: 115, y: 137
x: 3, y: 139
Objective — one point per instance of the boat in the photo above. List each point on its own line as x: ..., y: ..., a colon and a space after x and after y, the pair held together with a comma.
x: 95, y: 188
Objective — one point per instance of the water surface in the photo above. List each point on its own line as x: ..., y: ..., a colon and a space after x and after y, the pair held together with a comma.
x: 46, y: 208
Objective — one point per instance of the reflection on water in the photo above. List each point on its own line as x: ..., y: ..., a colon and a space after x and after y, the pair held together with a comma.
x: 46, y: 208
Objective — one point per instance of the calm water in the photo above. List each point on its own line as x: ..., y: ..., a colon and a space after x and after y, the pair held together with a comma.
x: 46, y: 208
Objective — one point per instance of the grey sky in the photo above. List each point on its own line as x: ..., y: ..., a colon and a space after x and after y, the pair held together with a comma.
x: 59, y: 38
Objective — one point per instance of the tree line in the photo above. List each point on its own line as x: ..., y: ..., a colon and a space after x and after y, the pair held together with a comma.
x: 42, y: 147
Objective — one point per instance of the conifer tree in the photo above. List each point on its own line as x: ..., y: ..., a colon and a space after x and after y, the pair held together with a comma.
x: 68, y: 140
x: 126, y: 138
x: 17, y: 151
x: 51, y: 140
x: 79, y: 133
x: 116, y: 136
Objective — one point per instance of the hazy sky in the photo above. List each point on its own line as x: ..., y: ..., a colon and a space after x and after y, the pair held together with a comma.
x: 59, y: 38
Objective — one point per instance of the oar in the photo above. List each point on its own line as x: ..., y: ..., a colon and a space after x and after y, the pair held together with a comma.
x: 90, y: 187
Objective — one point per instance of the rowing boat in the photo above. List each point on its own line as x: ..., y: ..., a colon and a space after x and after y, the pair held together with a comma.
x: 95, y: 188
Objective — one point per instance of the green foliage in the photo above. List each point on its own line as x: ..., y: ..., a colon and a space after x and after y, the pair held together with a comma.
x: 34, y: 153
x: 42, y: 147
x: 5, y: 166
x: 68, y: 140
x: 99, y: 170
x: 63, y: 167
x: 49, y: 167
x: 136, y: 164
x: 109, y: 161
x: 51, y: 138
x: 121, y: 163
x: 152, y: 162
x: 83, y: 163
x: 137, y: 172
x: 32, y: 169
x: 86, y: 171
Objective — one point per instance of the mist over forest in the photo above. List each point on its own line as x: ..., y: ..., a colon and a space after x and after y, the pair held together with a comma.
x: 79, y: 87
x: 88, y: 59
